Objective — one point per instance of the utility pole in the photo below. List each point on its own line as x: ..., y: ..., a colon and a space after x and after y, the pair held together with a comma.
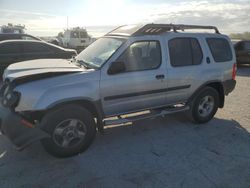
x: 67, y: 22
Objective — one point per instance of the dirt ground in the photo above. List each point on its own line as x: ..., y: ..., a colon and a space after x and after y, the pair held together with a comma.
x: 164, y: 152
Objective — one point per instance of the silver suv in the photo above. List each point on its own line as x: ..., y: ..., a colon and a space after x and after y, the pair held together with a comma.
x: 155, y: 69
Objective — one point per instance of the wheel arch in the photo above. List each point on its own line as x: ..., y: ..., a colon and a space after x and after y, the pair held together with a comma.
x: 217, y: 85
x: 95, y: 107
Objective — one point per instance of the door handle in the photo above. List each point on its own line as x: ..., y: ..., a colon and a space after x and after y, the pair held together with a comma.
x: 208, y: 60
x: 160, y: 76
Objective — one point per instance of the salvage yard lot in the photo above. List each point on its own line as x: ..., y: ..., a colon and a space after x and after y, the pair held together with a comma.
x: 163, y: 152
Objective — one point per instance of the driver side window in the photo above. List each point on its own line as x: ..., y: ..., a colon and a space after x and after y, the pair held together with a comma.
x: 143, y: 55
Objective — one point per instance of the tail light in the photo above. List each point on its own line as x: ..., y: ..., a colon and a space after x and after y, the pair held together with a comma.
x: 234, y: 71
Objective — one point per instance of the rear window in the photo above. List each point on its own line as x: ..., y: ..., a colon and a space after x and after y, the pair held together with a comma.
x: 220, y: 49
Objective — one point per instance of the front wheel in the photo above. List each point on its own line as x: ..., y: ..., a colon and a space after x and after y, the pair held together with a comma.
x: 205, y: 105
x: 72, y: 129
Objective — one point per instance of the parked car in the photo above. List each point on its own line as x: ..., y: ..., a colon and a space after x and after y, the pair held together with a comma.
x: 12, y: 51
x: 242, y: 50
x: 13, y: 36
x: 151, y: 69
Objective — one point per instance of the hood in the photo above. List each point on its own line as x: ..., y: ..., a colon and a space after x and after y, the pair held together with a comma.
x: 40, y: 68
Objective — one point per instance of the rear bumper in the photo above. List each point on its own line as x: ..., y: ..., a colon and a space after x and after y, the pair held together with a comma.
x: 229, y: 86
x: 19, y: 131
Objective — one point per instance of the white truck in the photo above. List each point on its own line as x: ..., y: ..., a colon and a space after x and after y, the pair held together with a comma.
x: 76, y: 38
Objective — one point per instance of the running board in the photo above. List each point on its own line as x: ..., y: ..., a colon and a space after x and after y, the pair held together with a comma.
x: 152, y: 114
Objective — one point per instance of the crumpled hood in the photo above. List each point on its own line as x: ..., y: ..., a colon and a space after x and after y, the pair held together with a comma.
x: 40, y: 67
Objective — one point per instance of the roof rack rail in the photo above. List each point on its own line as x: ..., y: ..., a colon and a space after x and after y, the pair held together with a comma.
x: 153, y: 29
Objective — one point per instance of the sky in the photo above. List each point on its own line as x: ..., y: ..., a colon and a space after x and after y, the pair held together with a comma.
x: 49, y: 17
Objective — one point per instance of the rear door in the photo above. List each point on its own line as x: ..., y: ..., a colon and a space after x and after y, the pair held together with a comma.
x: 185, y: 59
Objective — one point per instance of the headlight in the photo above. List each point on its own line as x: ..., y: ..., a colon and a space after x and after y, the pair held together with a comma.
x: 11, y: 99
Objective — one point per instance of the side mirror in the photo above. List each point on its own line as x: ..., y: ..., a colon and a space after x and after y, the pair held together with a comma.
x: 116, y: 67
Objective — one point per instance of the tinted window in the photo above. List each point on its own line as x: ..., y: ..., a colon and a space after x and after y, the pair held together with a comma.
x: 8, y: 37
x: 10, y: 48
x: 74, y: 34
x: 196, y: 52
x: 35, y: 47
x: 142, y: 56
x: 220, y: 49
x: 239, y: 46
x: 246, y: 45
x: 83, y: 34
x: 184, y: 52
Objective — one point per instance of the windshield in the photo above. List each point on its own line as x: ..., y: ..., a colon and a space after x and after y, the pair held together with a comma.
x: 100, y: 51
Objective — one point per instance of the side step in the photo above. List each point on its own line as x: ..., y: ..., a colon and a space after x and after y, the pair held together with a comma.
x: 152, y: 114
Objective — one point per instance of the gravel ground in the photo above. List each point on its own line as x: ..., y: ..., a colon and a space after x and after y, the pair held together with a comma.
x: 164, y: 152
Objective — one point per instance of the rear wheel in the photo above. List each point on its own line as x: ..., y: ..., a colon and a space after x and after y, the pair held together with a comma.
x: 205, y: 105
x: 72, y: 129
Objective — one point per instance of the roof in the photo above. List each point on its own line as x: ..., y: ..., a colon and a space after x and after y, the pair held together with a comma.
x: 19, y: 34
x: 156, y: 29
x: 22, y: 41
x: 33, y: 41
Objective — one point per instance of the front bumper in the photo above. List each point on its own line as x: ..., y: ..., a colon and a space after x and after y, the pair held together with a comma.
x: 20, y: 132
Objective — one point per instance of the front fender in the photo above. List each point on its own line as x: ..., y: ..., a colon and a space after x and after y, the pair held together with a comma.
x: 74, y: 92
x: 39, y: 95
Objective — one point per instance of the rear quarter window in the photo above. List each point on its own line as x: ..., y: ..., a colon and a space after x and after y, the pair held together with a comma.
x: 220, y: 49
x: 35, y: 48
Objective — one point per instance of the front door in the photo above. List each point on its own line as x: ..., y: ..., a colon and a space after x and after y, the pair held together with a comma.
x: 141, y: 85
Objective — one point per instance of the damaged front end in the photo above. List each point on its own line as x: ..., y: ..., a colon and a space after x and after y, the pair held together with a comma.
x: 20, y: 130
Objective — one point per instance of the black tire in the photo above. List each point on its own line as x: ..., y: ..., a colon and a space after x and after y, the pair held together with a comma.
x: 62, y: 114
x: 196, y: 113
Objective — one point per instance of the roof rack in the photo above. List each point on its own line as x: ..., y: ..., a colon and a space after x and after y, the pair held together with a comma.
x: 153, y: 29
x: 156, y: 29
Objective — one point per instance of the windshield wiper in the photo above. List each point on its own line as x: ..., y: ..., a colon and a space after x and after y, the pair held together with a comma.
x: 84, y: 64
x: 87, y: 65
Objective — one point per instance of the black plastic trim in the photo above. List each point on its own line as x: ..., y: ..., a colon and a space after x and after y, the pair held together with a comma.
x: 19, y: 134
x: 228, y: 86
x: 145, y: 92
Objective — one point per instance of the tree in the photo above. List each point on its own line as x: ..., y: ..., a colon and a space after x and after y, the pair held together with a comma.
x: 244, y: 36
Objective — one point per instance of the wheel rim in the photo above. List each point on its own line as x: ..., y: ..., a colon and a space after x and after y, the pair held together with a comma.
x: 206, y: 106
x: 69, y: 133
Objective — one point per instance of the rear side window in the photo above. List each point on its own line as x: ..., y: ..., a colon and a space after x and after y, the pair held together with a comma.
x: 184, y: 52
x: 10, y: 48
x: 8, y: 37
x: 247, y: 45
x: 35, y: 48
x: 220, y: 49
